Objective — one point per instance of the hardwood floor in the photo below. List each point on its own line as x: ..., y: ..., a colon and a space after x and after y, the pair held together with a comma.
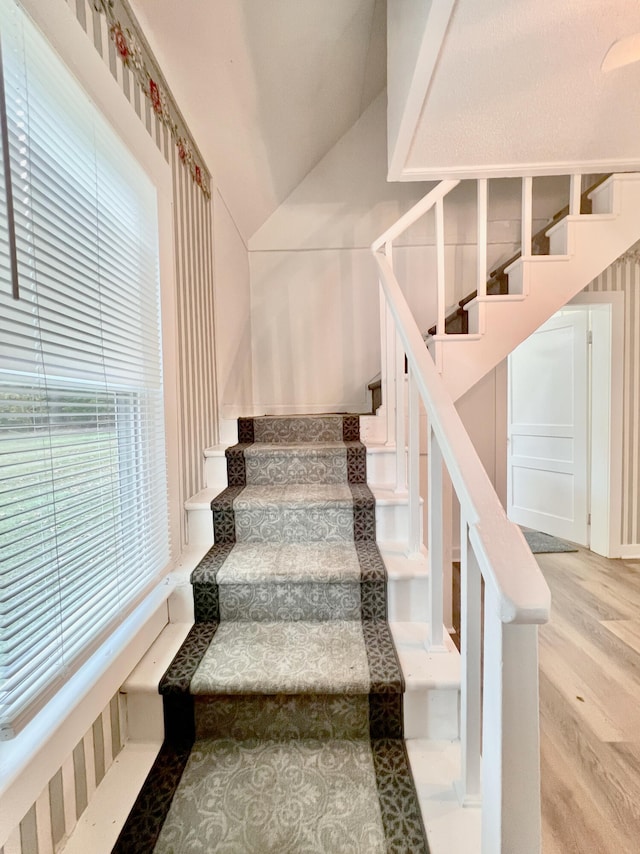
x: 590, y: 705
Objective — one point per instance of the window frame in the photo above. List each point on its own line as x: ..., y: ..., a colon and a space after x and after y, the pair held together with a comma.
x: 30, y: 759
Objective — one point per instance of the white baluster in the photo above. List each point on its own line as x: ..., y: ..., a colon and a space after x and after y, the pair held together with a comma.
x: 391, y: 363
x: 527, y: 215
x: 470, y: 677
x: 447, y: 550
x: 510, y: 735
x: 401, y: 459
x: 415, y: 540
x: 384, y: 379
x: 575, y: 193
x: 435, y: 642
x: 440, y: 279
x: 481, y: 281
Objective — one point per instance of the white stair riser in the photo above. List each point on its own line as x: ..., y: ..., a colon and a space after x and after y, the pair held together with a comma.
x: 373, y: 428
x: 144, y: 717
x: 428, y: 713
x: 602, y: 198
x: 215, y: 472
x: 474, y: 309
x: 180, y: 604
x: 558, y: 240
x: 407, y: 601
x: 616, y: 234
x: 381, y: 466
x: 228, y: 429
x: 548, y: 283
x: 432, y: 713
x: 391, y: 524
x: 200, y: 527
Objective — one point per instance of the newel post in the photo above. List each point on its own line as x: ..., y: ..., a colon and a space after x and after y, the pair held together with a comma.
x: 510, y: 736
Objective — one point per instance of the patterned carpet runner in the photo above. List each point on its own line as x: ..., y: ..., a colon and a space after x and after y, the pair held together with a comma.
x: 283, y: 707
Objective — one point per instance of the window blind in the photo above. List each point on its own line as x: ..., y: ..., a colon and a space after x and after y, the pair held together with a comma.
x: 83, y: 498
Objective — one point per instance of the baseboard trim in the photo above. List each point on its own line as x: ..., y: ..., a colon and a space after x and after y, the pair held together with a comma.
x: 630, y: 551
x: 255, y: 410
x: 231, y: 412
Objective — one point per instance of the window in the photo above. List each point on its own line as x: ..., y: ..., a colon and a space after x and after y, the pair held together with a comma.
x: 83, y: 505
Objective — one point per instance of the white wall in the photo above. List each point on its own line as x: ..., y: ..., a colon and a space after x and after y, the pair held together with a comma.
x: 314, y: 300
x: 314, y: 316
x: 232, y: 313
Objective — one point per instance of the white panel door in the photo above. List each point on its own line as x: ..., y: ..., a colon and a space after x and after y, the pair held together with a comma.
x: 547, y: 446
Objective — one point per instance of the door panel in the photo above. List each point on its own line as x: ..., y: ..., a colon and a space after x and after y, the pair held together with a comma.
x: 547, y: 457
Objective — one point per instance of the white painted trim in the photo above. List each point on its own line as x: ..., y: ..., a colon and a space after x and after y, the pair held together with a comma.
x: 435, y: 30
x: 232, y: 411
x: 29, y: 761
x: 609, y: 543
x: 257, y: 410
x: 517, y: 170
x: 630, y: 551
x: 98, y: 827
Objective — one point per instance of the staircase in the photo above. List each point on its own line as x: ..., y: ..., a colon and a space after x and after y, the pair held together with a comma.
x: 532, y: 287
x: 283, y: 661
x: 284, y: 708
x: 457, y: 322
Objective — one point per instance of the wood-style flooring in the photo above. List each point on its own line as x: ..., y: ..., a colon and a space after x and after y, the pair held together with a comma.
x: 590, y: 705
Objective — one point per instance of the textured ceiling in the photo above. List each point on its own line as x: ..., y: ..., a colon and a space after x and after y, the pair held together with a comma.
x: 267, y: 88
x: 520, y: 83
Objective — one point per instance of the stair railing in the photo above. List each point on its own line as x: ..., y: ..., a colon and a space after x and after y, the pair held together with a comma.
x: 499, y: 716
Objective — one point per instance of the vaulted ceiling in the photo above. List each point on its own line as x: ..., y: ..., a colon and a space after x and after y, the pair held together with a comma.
x: 267, y: 86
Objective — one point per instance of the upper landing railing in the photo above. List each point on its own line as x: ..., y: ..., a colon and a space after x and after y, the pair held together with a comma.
x: 499, y: 697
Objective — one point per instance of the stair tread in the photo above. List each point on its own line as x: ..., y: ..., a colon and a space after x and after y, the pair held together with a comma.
x: 282, y: 795
x: 318, y: 462
x: 256, y: 563
x: 202, y: 500
x: 291, y: 512
x: 284, y: 658
x: 297, y: 449
x: 293, y: 495
x: 602, y: 217
x: 319, y: 581
x: 298, y: 428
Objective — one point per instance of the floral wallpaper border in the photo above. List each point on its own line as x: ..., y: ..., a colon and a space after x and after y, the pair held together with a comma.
x: 136, y: 55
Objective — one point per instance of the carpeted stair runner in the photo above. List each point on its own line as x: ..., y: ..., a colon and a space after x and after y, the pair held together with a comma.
x: 283, y: 707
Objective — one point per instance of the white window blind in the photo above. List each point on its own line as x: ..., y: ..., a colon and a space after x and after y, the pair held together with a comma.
x: 83, y: 499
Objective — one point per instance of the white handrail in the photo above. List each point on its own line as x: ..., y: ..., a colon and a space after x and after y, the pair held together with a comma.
x: 414, y: 213
x: 504, y: 558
